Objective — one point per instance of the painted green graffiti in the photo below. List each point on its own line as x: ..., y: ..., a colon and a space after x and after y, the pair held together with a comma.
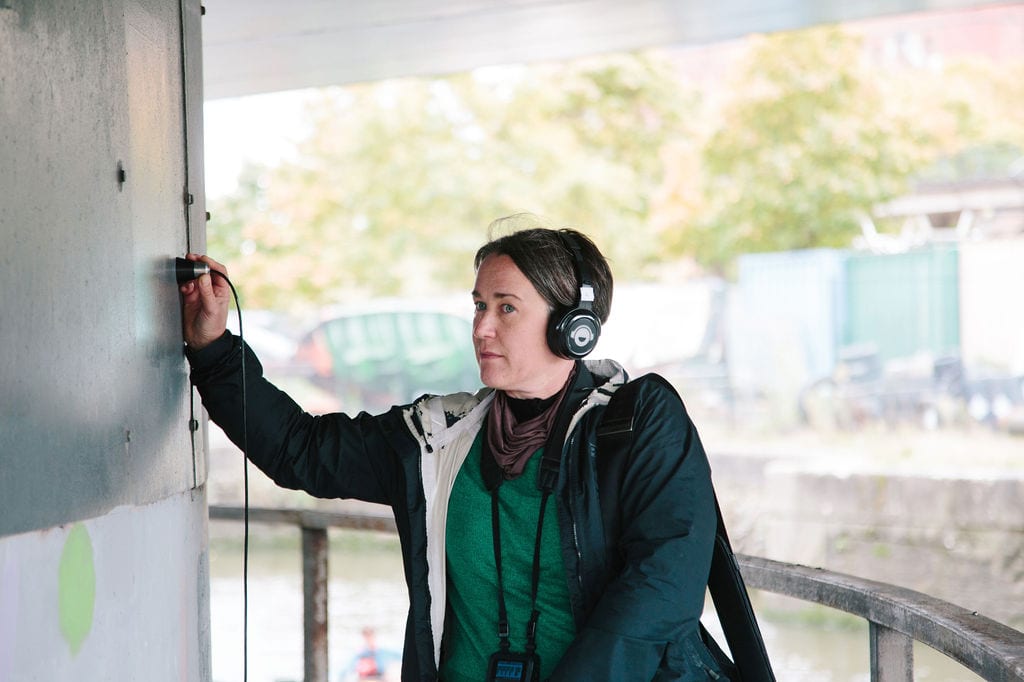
x: 76, y: 587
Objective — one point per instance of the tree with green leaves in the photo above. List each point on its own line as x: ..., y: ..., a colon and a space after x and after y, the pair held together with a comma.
x: 393, y: 190
x: 803, y: 147
x: 814, y: 133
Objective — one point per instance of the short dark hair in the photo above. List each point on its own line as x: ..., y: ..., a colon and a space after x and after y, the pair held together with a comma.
x: 545, y: 258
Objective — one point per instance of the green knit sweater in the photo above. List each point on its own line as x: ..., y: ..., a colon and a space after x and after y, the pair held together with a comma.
x: 471, y: 628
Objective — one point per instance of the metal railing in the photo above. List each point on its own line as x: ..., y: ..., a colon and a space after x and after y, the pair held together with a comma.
x: 896, y: 616
x: 314, y: 526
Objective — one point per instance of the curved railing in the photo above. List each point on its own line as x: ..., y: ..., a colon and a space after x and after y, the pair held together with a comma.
x: 896, y: 616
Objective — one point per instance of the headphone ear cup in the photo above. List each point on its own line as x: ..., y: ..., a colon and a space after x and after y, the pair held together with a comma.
x: 574, y: 334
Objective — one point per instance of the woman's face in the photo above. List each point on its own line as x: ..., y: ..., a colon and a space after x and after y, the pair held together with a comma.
x: 509, y: 333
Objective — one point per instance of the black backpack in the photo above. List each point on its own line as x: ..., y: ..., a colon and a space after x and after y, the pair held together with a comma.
x: 728, y: 592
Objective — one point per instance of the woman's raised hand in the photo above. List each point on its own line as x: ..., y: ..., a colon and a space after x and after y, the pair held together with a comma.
x: 205, y: 303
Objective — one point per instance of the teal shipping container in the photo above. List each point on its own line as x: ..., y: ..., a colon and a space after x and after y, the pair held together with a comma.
x: 904, y: 304
x: 785, y: 320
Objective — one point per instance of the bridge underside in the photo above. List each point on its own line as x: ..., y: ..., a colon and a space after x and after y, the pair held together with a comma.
x: 258, y: 46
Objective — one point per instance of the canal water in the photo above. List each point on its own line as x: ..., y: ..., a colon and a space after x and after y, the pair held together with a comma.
x: 367, y: 590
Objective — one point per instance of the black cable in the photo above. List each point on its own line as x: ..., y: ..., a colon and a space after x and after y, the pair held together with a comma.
x: 245, y: 478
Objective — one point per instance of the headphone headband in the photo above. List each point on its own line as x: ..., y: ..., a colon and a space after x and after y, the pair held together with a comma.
x: 585, y: 297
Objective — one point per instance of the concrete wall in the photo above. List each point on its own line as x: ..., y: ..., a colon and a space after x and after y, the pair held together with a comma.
x: 102, y: 480
x: 121, y: 597
x: 958, y: 536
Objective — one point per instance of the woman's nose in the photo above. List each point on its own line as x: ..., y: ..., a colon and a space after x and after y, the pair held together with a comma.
x: 483, y: 326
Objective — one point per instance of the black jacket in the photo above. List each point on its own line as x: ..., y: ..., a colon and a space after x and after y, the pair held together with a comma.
x: 636, y: 535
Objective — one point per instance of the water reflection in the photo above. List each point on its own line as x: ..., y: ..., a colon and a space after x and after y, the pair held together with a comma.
x: 367, y: 589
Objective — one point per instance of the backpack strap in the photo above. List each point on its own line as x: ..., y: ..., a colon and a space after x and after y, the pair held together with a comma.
x: 735, y: 612
x: 725, y: 582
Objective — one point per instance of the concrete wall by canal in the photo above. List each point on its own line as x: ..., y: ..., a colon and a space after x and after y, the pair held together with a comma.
x: 955, y: 536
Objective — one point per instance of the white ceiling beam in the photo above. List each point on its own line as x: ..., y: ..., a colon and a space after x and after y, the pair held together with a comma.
x: 258, y: 46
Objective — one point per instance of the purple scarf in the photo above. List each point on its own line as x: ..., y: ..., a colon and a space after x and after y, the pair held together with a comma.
x: 512, y: 442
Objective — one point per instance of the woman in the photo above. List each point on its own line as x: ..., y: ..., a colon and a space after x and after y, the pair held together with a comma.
x: 610, y: 577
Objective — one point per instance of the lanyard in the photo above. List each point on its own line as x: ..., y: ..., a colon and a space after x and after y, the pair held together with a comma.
x: 493, y: 479
x: 531, y: 627
x: 547, y: 479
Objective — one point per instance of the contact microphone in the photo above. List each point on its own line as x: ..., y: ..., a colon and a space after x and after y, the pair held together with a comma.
x: 187, y: 270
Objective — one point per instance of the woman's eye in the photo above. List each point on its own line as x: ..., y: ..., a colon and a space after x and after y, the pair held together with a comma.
x: 479, y: 306
x: 507, y: 308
